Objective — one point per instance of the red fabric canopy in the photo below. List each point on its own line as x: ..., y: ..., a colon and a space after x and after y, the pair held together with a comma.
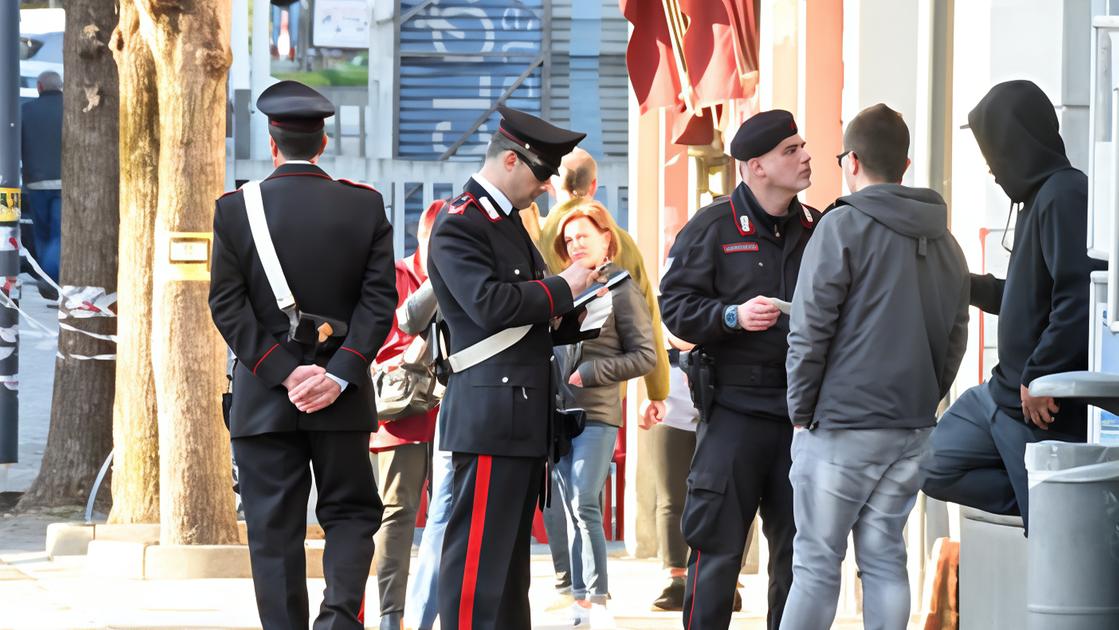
x: 709, y: 51
x: 719, y: 48
x: 649, y: 57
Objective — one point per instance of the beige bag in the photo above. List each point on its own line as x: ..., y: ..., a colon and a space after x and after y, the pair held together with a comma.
x: 408, y: 388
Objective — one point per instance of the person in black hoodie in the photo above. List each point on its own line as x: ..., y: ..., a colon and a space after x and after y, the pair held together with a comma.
x: 979, y: 444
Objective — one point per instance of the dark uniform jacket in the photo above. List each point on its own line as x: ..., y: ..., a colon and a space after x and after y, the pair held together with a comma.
x: 728, y: 253
x: 334, y: 243
x: 488, y: 276
x: 42, y: 138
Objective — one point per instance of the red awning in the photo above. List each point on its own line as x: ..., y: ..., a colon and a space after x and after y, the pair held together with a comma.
x: 650, y: 59
x: 709, y: 46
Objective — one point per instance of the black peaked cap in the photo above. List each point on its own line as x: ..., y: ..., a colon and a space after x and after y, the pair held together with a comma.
x: 293, y: 105
x: 543, y: 140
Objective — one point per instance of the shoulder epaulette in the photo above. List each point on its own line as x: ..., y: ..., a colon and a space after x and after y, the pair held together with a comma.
x: 810, y: 216
x: 357, y: 184
x: 229, y: 192
x: 461, y: 203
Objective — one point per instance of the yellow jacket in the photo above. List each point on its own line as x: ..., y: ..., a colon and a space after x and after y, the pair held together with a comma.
x: 628, y: 258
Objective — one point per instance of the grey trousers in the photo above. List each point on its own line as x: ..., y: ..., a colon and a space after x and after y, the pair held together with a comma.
x: 402, y: 472
x: 861, y: 481
x: 978, y: 456
x: 672, y: 453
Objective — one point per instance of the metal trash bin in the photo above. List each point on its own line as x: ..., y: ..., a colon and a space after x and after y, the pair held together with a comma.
x: 1073, y: 575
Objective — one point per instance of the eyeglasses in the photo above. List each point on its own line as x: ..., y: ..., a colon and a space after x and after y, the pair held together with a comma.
x: 839, y: 158
x: 540, y: 171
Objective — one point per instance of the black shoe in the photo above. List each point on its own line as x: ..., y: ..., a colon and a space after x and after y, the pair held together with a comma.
x: 737, y: 601
x: 47, y: 292
x: 672, y: 597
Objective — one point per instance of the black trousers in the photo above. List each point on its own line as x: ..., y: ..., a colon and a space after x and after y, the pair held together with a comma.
x: 484, y: 575
x: 741, y: 466
x: 275, y: 482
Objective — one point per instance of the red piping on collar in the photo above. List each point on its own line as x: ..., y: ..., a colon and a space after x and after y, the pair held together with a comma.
x: 737, y: 222
x: 307, y: 174
x: 806, y: 212
x: 298, y: 126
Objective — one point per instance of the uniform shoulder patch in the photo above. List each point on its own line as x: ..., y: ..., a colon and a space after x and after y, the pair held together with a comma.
x: 461, y: 203
x: 357, y: 184
x: 810, y: 216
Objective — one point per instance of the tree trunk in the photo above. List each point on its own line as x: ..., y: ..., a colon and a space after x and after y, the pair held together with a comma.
x: 190, y: 45
x: 135, y: 428
x: 80, y: 434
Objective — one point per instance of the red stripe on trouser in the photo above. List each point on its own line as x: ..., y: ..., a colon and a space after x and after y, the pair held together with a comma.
x: 474, y: 542
x: 361, y: 611
x: 695, y: 589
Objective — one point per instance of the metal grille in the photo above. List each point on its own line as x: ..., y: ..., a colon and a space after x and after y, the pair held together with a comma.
x: 455, y: 59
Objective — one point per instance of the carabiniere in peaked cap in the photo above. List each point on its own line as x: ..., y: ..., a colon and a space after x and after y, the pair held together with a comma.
x: 293, y: 105
x: 544, y: 141
x: 761, y: 132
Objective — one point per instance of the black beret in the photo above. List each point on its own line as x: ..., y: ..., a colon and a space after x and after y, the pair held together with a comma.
x: 761, y: 132
x: 292, y: 105
x: 542, y: 140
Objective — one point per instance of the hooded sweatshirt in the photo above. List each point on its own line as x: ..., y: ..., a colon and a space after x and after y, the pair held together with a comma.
x: 879, y: 318
x: 1043, y: 303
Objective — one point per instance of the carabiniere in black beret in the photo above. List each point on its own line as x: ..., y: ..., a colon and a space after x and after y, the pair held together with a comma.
x: 761, y: 132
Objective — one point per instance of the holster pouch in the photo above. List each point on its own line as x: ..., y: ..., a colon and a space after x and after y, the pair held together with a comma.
x: 304, y: 329
x: 700, y: 368
x: 227, y: 396
x: 569, y: 424
x: 439, y: 345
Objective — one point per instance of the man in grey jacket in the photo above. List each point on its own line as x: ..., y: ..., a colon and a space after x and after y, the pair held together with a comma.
x: 877, y: 332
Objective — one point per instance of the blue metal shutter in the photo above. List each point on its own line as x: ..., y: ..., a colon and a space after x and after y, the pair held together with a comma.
x: 455, y: 57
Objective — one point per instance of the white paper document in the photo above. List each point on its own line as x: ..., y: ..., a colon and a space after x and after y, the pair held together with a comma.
x: 598, y: 310
x: 782, y: 305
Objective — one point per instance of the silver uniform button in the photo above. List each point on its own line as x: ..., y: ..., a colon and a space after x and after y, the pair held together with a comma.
x: 517, y: 271
x: 504, y: 379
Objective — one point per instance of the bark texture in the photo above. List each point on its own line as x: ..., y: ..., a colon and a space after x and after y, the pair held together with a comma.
x: 135, y: 429
x: 80, y: 434
x: 190, y: 45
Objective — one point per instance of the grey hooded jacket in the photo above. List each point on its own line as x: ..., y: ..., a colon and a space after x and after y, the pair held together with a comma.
x: 879, y: 317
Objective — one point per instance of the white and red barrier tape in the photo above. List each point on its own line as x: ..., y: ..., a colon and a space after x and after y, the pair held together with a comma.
x: 73, y: 303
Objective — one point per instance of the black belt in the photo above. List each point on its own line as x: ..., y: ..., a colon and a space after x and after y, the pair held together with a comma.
x: 749, y: 375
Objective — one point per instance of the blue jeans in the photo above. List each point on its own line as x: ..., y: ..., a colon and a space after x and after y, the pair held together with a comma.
x: 46, y: 214
x: 581, y: 475
x: 293, y: 24
x: 860, y: 481
x: 422, y: 601
x: 555, y: 525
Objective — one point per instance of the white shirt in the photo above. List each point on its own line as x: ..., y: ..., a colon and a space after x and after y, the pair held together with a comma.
x: 503, y: 202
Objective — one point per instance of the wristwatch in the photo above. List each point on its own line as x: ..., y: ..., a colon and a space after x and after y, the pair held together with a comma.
x: 730, y: 317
